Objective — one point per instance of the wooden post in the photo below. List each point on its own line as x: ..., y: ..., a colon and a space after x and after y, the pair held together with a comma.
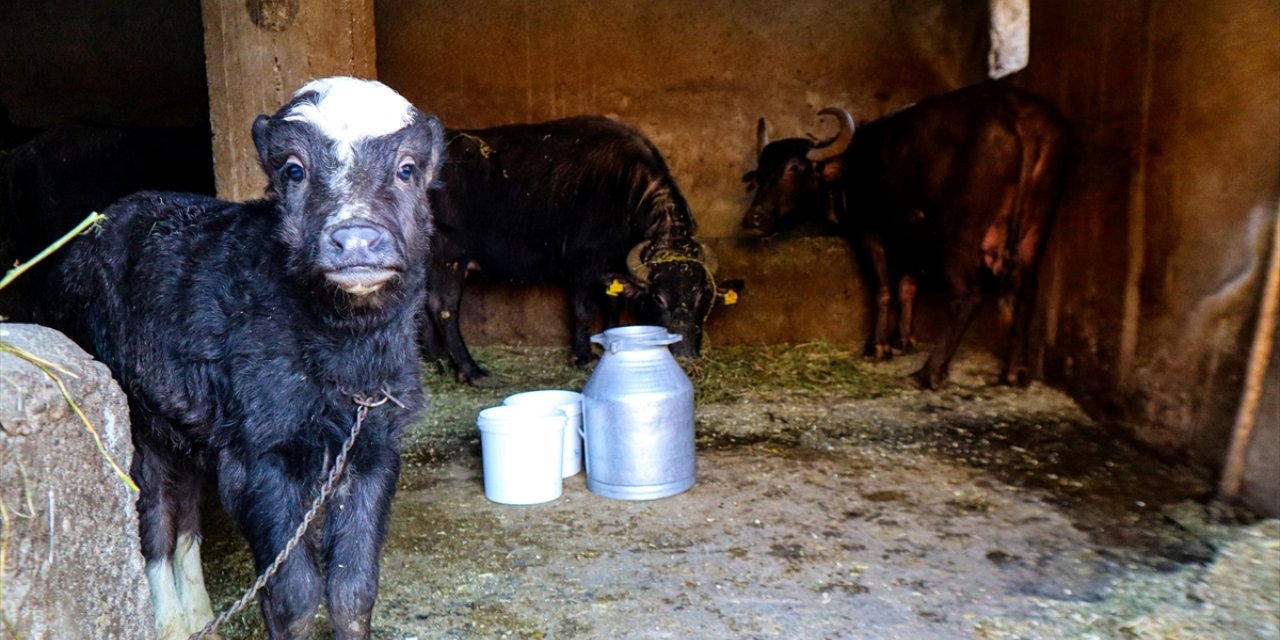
x: 257, y: 53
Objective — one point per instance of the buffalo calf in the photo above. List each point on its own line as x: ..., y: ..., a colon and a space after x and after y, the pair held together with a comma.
x: 241, y: 333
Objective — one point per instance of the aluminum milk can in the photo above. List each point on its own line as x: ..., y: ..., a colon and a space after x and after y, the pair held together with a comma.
x: 637, y: 415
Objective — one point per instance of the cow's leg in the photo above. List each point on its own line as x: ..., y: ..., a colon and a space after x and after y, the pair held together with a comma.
x: 965, y: 299
x: 878, y: 346
x: 444, y: 297
x: 906, y: 313
x: 429, y: 343
x: 268, y: 500
x: 1020, y: 299
x: 612, y: 311
x: 355, y: 530
x: 583, y: 307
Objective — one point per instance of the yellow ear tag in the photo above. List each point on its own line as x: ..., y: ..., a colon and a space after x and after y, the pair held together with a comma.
x: 614, y: 289
x: 731, y: 297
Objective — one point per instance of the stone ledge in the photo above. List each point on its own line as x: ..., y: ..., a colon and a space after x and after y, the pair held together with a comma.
x: 74, y: 564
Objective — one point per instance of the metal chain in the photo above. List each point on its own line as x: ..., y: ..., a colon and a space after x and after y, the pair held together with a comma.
x: 363, y: 405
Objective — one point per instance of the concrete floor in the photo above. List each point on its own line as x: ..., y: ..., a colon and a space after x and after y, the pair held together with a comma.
x: 834, y: 510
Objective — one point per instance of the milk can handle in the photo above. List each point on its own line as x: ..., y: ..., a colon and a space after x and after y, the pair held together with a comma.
x: 613, y: 345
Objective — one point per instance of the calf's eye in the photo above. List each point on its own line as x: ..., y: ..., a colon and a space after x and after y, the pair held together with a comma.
x: 407, y: 170
x: 294, y: 172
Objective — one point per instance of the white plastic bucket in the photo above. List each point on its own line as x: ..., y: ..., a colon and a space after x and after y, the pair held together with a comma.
x: 570, y: 402
x: 522, y: 447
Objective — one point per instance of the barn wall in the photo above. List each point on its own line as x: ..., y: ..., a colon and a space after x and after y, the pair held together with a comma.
x: 694, y: 77
x: 1151, y: 288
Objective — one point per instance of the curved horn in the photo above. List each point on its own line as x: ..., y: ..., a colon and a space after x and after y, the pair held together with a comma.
x: 762, y: 135
x: 709, y: 258
x: 636, y: 265
x: 838, y: 144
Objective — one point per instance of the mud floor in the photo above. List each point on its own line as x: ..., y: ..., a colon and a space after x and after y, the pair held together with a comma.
x: 833, y: 501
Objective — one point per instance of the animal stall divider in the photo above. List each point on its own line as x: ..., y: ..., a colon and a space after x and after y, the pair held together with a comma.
x: 363, y: 404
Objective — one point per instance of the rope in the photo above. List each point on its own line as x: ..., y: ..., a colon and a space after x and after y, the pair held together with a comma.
x: 364, y: 403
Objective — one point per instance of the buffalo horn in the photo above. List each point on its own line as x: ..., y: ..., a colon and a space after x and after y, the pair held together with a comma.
x: 709, y: 258
x: 838, y: 144
x: 762, y: 135
x: 636, y: 265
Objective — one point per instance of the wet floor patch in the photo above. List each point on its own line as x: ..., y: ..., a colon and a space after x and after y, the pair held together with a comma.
x: 852, y: 506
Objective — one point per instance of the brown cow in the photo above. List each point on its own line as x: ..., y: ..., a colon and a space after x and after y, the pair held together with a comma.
x: 961, y: 185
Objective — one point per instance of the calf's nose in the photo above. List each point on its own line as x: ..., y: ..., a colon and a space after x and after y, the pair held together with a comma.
x: 355, y: 238
x: 358, y: 244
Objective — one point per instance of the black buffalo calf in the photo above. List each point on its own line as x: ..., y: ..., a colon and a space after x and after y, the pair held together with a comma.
x: 241, y: 334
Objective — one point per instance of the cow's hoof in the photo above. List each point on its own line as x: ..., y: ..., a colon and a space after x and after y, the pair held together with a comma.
x: 474, y: 377
x: 583, y: 362
x: 489, y: 381
x: 926, y: 380
x: 439, y: 365
x: 1016, y: 376
x: 879, y: 352
x: 906, y: 345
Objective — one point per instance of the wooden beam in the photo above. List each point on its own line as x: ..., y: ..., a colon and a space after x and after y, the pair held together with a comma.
x: 257, y: 53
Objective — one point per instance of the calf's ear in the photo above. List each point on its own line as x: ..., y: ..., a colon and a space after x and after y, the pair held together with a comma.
x: 435, y: 134
x: 260, y: 141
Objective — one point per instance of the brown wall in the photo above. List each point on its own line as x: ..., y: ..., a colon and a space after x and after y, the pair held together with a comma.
x: 694, y: 77
x: 1152, y: 283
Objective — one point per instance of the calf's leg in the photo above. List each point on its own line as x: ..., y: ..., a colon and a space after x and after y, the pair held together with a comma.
x: 168, y: 521
x: 355, y: 530
x: 268, y: 497
x: 188, y: 573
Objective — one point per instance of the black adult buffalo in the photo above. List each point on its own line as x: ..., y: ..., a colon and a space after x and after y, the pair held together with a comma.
x: 59, y: 176
x: 585, y: 202
x: 243, y: 335
x: 962, y: 185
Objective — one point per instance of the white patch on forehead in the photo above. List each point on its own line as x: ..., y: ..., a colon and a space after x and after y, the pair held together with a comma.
x: 348, y: 109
